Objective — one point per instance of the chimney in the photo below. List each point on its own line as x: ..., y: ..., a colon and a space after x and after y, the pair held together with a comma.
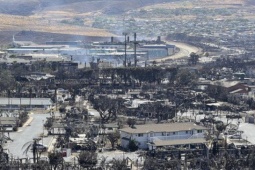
x: 111, y: 39
x: 159, y: 39
x: 128, y: 39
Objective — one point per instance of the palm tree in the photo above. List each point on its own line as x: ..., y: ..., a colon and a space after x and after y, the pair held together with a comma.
x: 33, y: 146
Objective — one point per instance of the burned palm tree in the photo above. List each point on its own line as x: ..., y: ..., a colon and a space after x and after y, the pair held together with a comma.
x: 32, y: 145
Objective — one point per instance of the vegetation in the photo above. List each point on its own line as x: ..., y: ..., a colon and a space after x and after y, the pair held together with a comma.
x: 113, y: 138
x: 132, y: 145
x: 118, y: 164
x: 131, y: 122
x: 55, y: 159
x: 87, y: 159
x: 32, y: 146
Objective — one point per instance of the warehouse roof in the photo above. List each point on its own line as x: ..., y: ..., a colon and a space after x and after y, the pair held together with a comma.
x: 169, y: 127
x: 26, y: 101
x: 179, y: 142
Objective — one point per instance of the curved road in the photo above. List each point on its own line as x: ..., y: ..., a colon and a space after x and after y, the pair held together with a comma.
x: 185, y: 50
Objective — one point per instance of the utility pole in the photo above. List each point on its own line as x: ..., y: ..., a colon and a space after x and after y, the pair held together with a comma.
x: 125, y: 61
x: 135, y: 43
x: 43, y: 131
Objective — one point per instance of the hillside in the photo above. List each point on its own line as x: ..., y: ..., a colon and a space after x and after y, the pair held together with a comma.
x: 76, y: 17
x: 64, y: 17
x: 28, y: 7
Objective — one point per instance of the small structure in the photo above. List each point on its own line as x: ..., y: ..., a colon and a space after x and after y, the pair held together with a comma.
x: 8, y: 123
x: 109, y: 128
x: 57, y: 129
x: 250, y: 118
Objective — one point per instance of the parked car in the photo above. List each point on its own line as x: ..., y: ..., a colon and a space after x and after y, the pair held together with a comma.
x: 234, y: 116
x: 230, y: 132
x: 236, y: 136
x: 40, y: 147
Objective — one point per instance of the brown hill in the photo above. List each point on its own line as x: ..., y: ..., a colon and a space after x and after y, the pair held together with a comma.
x: 28, y: 7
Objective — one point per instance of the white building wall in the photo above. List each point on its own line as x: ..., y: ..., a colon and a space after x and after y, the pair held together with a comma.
x: 145, y: 138
x: 124, y: 142
x: 141, y: 139
x: 171, y: 51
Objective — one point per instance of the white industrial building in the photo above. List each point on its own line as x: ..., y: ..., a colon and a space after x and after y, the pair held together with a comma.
x: 25, y: 103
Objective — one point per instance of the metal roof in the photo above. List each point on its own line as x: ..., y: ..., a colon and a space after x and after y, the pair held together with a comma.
x: 26, y: 101
x: 168, y: 127
x: 179, y: 142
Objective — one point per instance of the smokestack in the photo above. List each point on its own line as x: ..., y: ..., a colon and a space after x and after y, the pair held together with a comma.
x: 111, y: 39
x: 125, y: 50
x: 128, y: 39
x: 159, y: 39
x: 135, y: 43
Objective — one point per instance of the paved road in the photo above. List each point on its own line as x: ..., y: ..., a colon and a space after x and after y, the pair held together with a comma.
x: 26, y: 134
x: 185, y: 50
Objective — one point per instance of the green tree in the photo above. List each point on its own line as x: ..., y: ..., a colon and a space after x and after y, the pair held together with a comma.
x: 131, y: 122
x: 132, y: 145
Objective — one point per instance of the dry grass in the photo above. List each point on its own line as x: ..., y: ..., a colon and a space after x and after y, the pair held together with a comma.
x: 41, y: 24
x: 49, y: 19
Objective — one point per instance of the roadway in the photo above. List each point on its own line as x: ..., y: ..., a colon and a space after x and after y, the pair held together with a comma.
x: 185, y: 50
x: 26, y: 134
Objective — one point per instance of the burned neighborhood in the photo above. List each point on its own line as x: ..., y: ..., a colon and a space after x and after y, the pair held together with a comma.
x: 121, y: 85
